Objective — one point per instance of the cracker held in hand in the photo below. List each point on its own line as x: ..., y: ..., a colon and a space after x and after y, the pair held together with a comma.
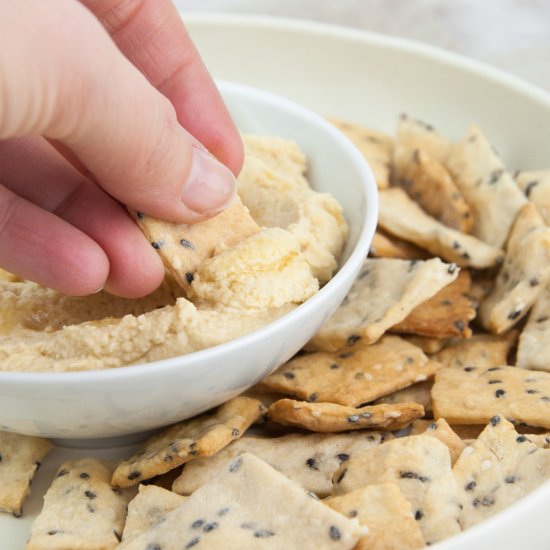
x: 489, y: 189
x: 330, y: 417
x: 536, y: 186
x: 236, y: 510
x: 524, y: 274
x: 353, y: 375
x: 473, y: 395
x: 20, y: 457
x: 534, y: 341
x: 375, y: 146
x: 498, y: 469
x: 148, y: 508
x: 200, y: 436
x: 384, y: 293
x: 402, y: 217
x: 183, y: 247
x: 421, y: 467
x: 82, y: 511
x: 428, y: 183
x: 481, y: 350
x: 387, y: 514
x: 445, y: 315
x: 307, y: 459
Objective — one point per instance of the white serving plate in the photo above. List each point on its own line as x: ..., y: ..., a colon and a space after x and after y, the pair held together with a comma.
x: 370, y: 79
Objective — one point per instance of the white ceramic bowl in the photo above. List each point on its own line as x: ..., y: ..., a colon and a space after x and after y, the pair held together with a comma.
x: 129, y: 400
x: 370, y: 79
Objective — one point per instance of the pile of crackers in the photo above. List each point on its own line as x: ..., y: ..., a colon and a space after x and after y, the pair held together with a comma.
x: 420, y: 409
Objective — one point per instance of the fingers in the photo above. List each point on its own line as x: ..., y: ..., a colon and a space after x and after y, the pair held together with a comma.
x: 72, y: 84
x: 134, y: 268
x: 152, y: 36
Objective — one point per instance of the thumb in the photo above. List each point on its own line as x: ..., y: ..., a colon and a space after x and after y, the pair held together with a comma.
x: 69, y: 82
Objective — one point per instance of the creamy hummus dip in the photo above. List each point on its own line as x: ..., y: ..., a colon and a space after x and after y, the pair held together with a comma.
x: 242, y: 287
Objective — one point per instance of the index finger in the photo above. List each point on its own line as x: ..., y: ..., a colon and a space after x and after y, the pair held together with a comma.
x: 152, y: 36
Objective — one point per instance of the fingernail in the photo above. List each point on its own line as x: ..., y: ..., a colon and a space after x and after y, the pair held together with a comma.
x: 210, y: 185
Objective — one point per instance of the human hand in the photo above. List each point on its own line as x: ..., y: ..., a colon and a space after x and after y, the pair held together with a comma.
x: 115, y: 106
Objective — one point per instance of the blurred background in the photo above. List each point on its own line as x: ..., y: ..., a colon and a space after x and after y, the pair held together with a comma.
x: 511, y: 34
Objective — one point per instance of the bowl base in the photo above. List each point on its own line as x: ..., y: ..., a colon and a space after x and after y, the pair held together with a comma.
x: 104, y: 442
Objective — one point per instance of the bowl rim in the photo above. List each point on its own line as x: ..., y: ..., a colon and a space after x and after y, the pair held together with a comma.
x: 404, y: 45
x: 238, y: 345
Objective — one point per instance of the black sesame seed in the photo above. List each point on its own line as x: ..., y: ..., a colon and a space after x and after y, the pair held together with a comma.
x: 153, y: 546
x: 235, y: 432
x: 197, y: 524
x: 531, y: 391
x: 210, y: 527
x: 84, y: 475
x: 17, y: 513
x: 334, y: 533
x: 432, y: 426
x: 469, y: 369
x: 174, y: 447
x: 342, y: 475
x: 192, y: 542
x: 499, y: 393
x: 353, y: 513
x: 465, y: 255
x: 91, y: 509
x: 456, y: 245
x: 543, y: 319
x: 529, y: 187
x: 514, y: 314
x: 222, y: 512
x: 335, y: 366
x: 413, y: 475
x: 140, y: 215
x: 534, y: 281
x: 495, y: 420
x: 470, y: 486
x: 346, y: 355
x: 545, y: 398
x: 312, y: 464
x: 313, y: 397
x: 133, y: 475
x: 521, y: 439
x: 263, y: 534
x: 451, y: 269
x: 353, y: 418
x: 366, y: 415
x: 157, y: 245
x: 289, y: 375
x: 168, y: 458
x: 485, y: 501
x: 189, y: 277
x: 235, y: 465
x: 62, y: 473
x: 53, y: 532
x: 493, y: 369
x: 353, y: 339
x: 495, y: 176
x: 409, y: 360
x: 459, y: 324
x: 90, y: 494
x: 495, y: 382
x: 418, y: 515
x: 510, y: 479
x: 342, y: 457
x: 187, y: 244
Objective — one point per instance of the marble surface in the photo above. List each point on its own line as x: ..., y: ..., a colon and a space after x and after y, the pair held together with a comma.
x: 513, y: 35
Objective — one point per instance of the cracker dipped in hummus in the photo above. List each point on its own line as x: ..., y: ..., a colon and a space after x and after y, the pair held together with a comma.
x: 267, y: 253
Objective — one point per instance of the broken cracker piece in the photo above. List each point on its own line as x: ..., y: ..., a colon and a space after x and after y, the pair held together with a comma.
x: 20, y: 457
x: 429, y: 184
x: 442, y: 431
x: 523, y: 275
x: 353, y: 375
x: 402, y: 217
x: 387, y: 514
x: 235, y: 510
x: 420, y: 466
x: 331, y: 417
x: 148, y: 508
x: 445, y: 315
x: 309, y: 459
x: 183, y: 247
x: 375, y: 146
x: 384, y: 293
x: 496, y: 470
x: 201, y: 436
x: 473, y: 395
x: 489, y: 189
x: 82, y: 511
